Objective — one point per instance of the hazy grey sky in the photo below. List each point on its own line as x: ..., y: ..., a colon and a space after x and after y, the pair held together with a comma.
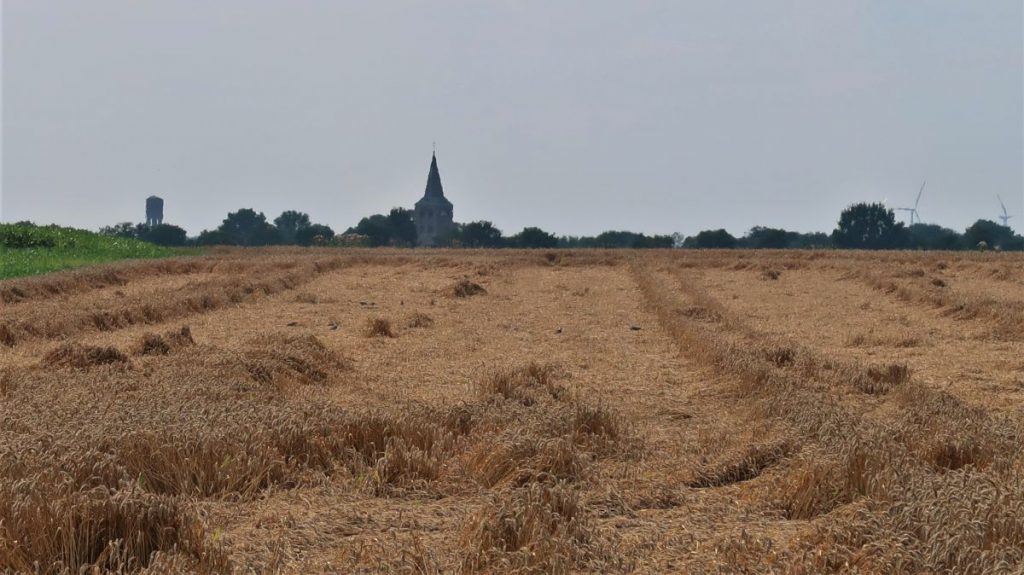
x: 575, y: 116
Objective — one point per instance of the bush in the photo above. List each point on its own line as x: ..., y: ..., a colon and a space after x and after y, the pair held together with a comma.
x: 21, y: 236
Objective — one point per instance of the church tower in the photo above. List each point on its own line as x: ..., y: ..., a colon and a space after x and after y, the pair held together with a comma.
x: 433, y: 214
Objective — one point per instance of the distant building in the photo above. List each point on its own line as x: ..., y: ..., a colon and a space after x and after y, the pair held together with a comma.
x: 433, y: 214
x: 154, y: 211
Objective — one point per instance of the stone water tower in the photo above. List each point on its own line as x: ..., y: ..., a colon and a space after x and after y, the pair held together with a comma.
x: 154, y: 211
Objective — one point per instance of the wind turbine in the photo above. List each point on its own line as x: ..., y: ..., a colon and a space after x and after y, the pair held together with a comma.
x: 1005, y: 217
x: 913, y: 211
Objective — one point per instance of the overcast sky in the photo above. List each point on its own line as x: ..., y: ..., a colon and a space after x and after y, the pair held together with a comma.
x: 575, y: 116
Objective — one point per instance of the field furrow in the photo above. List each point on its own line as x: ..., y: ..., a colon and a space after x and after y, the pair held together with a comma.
x: 152, y: 301
x: 849, y: 320
x: 887, y: 450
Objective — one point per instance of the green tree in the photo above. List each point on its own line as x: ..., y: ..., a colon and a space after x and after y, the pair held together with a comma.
x: 655, y: 241
x: 813, y: 240
x: 403, y: 228
x: 768, y: 238
x: 480, y: 234
x: 933, y: 237
x: 615, y: 239
x: 377, y: 228
x: 164, y: 235
x: 993, y: 234
x: 869, y: 227
x: 578, y: 242
x: 626, y: 239
x: 122, y: 230
x: 246, y: 227
x: 533, y: 237
x: 289, y: 223
x: 313, y: 234
x: 397, y: 228
x: 711, y: 239
x: 212, y: 238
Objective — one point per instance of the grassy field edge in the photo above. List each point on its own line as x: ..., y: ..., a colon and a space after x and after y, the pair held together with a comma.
x: 27, y: 249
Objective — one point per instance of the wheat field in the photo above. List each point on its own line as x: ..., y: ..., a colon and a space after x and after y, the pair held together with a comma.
x: 305, y: 411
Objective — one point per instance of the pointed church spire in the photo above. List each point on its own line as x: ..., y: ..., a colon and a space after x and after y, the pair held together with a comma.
x: 433, y: 213
x: 434, y: 188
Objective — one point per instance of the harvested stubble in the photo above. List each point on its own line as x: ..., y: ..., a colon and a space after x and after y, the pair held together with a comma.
x: 539, y: 433
x: 48, y: 526
x: 280, y: 359
x: 378, y: 327
x: 700, y: 313
x: 539, y: 528
x: 781, y: 356
x: 513, y: 460
x: 210, y: 465
x: 95, y: 278
x: 749, y: 465
x: 527, y: 384
x: 897, y: 483
x: 601, y: 429
x: 291, y: 449
x: 812, y: 489
x: 8, y: 381
x: 467, y: 288
x: 806, y: 455
x: 419, y: 319
x: 155, y: 344
x: 80, y: 356
x: 306, y: 297
x: 43, y: 322
x: 7, y: 336
x: 1007, y: 315
x: 882, y: 379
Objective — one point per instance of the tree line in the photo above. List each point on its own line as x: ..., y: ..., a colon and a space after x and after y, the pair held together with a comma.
x: 870, y: 226
x: 247, y: 227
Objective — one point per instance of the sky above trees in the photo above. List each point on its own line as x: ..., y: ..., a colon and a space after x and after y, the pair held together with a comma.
x: 577, y: 116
